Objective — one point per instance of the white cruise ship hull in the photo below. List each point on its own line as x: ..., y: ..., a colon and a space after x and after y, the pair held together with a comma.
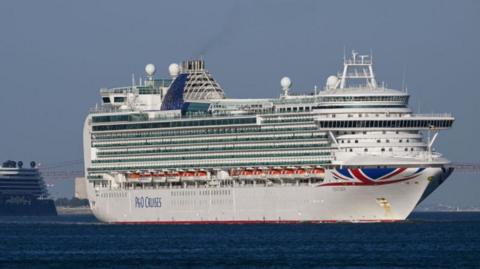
x: 331, y: 201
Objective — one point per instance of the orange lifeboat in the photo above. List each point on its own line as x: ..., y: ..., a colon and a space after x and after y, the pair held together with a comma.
x: 172, y: 174
x: 275, y: 172
x: 133, y: 175
x: 258, y: 172
x: 188, y: 174
x: 246, y: 173
x: 318, y: 172
x: 201, y: 174
x: 299, y: 171
x: 158, y: 174
x: 233, y: 172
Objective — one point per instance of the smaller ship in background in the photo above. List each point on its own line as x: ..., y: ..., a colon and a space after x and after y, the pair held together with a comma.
x: 23, y: 191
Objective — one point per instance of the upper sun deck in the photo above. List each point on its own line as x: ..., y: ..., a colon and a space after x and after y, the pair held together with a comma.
x: 193, y: 90
x: 363, y: 91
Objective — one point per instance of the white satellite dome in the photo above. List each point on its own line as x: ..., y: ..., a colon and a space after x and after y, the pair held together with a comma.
x: 332, y: 82
x: 174, y: 69
x: 150, y: 69
x: 286, y: 83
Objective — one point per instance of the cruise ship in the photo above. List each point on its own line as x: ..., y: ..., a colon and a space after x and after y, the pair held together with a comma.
x: 23, y: 191
x: 177, y: 150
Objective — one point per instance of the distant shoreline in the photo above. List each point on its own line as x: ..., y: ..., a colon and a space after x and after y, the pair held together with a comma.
x: 74, y: 211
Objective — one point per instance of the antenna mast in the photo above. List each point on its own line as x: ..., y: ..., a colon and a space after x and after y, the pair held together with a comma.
x: 358, y: 67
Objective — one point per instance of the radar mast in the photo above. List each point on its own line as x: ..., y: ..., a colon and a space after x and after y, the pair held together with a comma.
x: 359, y: 67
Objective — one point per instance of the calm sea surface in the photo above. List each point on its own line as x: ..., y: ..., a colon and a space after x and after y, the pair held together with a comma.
x: 427, y: 240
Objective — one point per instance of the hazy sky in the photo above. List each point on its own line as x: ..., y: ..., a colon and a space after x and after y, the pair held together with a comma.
x: 55, y: 55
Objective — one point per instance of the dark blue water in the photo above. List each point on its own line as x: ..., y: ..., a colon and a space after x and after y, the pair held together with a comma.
x: 428, y: 240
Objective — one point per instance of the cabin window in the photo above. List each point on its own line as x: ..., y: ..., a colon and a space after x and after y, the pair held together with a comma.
x: 106, y: 100
x: 118, y: 99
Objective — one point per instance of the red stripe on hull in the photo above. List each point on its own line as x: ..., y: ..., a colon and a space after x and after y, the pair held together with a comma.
x: 253, y: 222
x: 335, y: 174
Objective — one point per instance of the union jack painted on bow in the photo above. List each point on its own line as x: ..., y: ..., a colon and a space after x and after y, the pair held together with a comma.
x: 370, y: 176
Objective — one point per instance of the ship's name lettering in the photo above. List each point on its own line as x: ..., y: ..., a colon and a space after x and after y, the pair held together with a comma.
x: 147, y: 202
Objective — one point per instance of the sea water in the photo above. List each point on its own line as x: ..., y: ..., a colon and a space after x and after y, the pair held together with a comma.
x: 426, y: 240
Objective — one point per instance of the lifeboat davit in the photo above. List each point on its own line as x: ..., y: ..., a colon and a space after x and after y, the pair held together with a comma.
x: 159, y: 176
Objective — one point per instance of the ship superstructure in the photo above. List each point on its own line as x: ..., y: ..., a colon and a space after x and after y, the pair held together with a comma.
x: 177, y: 150
x: 23, y: 191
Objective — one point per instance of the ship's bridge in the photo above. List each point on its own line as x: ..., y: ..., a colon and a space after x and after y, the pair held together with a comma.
x: 406, y: 122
